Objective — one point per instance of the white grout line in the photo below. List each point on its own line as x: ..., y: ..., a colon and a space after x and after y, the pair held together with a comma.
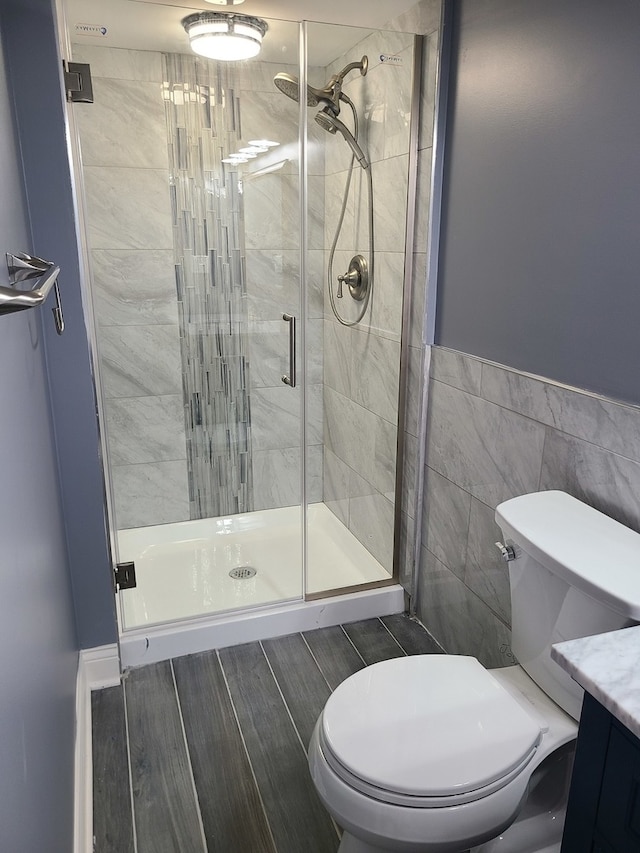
x: 354, y: 646
x: 186, y: 746
x: 295, y: 728
x: 402, y: 649
x: 246, y: 752
x: 133, y: 808
x: 304, y: 639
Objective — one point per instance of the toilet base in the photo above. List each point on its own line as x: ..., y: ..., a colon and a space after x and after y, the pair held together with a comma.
x: 351, y: 844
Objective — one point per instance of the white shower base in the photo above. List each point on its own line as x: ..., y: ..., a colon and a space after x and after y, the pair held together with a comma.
x: 182, y: 569
x: 185, y: 601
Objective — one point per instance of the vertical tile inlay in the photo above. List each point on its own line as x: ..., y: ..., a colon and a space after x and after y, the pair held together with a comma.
x: 202, y: 113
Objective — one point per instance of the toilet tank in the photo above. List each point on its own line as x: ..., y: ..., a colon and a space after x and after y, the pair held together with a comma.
x: 576, y: 573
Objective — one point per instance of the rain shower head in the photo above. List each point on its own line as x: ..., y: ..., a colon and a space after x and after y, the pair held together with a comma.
x: 329, y: 122
x: 330, y: 95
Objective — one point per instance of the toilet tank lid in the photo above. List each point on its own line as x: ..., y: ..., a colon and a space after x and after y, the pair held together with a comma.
x: 579, y: 544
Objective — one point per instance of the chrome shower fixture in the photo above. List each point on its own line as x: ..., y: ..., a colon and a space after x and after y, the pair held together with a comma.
x: 329, y: 122
x: 331, y: 94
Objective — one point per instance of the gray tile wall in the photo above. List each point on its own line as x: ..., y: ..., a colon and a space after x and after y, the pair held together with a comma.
x: 494, y: 433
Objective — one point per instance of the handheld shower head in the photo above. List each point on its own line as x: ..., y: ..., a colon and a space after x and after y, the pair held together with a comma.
x: 290, y: 86
x: 329, y: 122
x: 330, y: 95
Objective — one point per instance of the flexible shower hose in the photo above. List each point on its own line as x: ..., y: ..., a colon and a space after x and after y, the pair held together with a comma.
x: 332, y: 298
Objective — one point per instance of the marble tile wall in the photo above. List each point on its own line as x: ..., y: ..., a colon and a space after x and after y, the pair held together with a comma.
x: 495, y: 433
x: 126, y: 170
x: 361, y: 364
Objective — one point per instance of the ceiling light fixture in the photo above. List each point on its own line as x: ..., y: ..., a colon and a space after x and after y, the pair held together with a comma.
x: 225, y: 2
x: 218, y: 35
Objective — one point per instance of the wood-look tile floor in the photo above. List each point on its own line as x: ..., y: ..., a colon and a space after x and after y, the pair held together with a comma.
x: 208, y: 752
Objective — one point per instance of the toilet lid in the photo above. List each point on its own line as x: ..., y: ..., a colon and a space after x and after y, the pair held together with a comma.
x: 427, y: 726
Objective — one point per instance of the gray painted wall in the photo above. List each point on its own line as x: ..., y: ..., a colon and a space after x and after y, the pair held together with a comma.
x: 540, y: 251
x: 38, y: 655
x: 41, y: 126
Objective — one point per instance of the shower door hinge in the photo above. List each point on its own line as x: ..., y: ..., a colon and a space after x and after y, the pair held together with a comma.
x: 77, y: 82
x: 125, y: 576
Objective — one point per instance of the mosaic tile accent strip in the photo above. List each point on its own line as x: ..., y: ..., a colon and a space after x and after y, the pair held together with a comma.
x: 203, y: 126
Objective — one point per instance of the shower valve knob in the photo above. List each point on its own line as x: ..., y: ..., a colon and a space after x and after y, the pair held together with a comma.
x: 356, y: 278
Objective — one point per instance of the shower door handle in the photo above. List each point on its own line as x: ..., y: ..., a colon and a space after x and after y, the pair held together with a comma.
x: 290, y: 379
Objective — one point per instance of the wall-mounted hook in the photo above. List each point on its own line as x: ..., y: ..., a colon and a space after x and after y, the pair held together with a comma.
x: 23, y: 267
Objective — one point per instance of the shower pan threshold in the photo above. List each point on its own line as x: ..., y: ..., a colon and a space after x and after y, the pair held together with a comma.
x: 187, y: 599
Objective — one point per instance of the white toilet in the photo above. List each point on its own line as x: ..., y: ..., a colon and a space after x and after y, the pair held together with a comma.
x: 436, y: 754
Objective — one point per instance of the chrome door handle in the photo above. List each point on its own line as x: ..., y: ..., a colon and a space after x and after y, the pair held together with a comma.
x: 291, y: 378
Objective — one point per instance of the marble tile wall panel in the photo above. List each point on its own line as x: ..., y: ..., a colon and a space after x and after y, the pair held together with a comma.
x: 364, y: 441
x: 336, y: 485
x: 485, y: 572
x: 604, y: 480
x: 277, y: 477
x: 337, y: 362
x: 140, y: 361
x: 445, y: 521
x: 120, y: 63
x: 128, y: 208
x: 385, y: 317
x: 375, y: 368
x: 603, y: 422
x: 146, y: 429
x: 491, y: 452
x: 459, y: 620
x: 134, y: 287
x: 123, y: 112
x: 458, y: 370
x: 154, y: 493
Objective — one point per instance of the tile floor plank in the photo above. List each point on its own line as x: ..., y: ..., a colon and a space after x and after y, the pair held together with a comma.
x: 334, y: 653
x: 413, y: 638
x: 232, y: 812
x: 165, y: 808
x: 297, y: 819
x: 112, y: 822
x: 373, y: 641
x: 302, y: 684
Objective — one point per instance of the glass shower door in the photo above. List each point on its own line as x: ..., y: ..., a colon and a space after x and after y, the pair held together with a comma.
x: 191, y: 182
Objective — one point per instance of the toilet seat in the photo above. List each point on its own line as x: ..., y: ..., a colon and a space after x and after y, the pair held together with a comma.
x: 430, y: 731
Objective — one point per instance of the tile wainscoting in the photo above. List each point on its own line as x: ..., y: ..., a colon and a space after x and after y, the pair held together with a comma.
x: 494, y: 433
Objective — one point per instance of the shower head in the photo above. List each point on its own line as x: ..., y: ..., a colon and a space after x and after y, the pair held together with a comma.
x: 331, y: 94
x: 332, y: 124
x: 290, y: 86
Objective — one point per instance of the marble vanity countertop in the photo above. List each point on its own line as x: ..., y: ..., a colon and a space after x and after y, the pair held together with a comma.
x: 608, y: 667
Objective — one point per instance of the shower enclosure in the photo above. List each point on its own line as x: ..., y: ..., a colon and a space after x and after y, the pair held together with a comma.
x: 246, y: 255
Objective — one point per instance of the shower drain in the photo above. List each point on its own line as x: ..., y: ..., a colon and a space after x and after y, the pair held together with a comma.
x: 242, y: 573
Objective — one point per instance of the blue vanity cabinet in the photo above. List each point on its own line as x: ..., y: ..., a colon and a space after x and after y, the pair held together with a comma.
x: 603, y: 815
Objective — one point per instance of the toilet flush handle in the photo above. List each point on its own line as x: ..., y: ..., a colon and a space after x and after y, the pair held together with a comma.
x: 507, y: 551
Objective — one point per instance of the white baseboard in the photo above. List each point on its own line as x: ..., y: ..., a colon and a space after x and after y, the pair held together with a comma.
x: 97, y: 668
